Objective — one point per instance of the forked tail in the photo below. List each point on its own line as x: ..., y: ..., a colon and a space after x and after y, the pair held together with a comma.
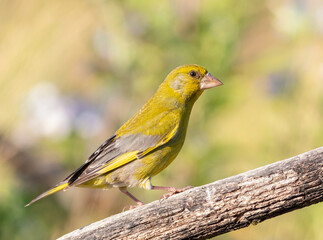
x: 49, y: 192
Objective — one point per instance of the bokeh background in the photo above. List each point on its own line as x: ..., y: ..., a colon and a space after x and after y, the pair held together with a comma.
x: 72, y: 72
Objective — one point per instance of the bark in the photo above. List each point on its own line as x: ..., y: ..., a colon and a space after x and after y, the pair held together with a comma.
x: 219, y: 207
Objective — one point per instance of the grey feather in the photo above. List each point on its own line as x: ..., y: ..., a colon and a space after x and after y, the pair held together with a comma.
x: 108, y: 151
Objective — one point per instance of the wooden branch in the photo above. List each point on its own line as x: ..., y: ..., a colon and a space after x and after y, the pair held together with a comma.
x: 221, y: 206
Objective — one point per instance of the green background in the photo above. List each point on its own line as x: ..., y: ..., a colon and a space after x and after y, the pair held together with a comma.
x: 72, y: 72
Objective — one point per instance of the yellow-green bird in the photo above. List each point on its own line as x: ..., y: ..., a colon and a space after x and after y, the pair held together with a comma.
x: 148, y: 142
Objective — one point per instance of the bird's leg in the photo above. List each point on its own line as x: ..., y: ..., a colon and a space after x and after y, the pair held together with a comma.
x: 125, y: 191
x: 171, y: 190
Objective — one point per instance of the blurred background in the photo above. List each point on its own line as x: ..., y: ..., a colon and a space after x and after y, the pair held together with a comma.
x: 72, y: 72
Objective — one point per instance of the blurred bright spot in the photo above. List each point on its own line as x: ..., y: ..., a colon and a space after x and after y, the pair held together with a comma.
x: 48, y: 113
x: 45, y: 112
x: 88, y: 124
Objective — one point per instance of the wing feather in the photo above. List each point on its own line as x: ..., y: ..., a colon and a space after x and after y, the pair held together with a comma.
x: 118, y: 151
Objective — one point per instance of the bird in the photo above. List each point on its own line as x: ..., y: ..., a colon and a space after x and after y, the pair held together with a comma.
x: 148, y: 142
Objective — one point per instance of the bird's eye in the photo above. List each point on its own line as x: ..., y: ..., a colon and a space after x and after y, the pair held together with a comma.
x: 193, y: 73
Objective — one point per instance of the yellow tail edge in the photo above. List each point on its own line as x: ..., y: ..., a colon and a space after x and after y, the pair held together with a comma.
x: 49, y: 192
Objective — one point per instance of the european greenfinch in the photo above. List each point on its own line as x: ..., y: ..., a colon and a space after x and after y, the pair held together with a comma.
x: 148, y: 142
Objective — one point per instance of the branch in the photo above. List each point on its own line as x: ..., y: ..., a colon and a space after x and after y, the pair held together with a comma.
x: 219, y: 207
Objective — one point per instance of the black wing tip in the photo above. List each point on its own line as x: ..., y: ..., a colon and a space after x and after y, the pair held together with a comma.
x: 75, y: 175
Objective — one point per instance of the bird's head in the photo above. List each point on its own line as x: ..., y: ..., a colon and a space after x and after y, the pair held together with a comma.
x: 189, y: 81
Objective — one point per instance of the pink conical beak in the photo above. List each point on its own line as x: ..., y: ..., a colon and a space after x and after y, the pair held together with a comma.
x: 209, y: 81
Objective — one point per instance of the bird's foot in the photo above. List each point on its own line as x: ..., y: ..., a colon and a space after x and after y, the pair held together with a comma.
x: 139, y: 204
x: 173, y: 191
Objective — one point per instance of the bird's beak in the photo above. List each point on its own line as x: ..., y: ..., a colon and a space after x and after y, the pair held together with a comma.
x: 209, y: 81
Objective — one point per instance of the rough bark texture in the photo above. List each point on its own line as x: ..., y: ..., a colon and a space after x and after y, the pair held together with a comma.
x: 221, y: 206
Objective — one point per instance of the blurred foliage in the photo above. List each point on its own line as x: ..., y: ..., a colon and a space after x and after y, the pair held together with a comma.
x: 72, y: 72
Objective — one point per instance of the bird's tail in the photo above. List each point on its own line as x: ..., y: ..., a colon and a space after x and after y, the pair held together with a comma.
x: 55, y: 189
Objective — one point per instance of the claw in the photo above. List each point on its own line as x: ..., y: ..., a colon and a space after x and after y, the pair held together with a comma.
x: 139, y: 204
x: 173, y: 191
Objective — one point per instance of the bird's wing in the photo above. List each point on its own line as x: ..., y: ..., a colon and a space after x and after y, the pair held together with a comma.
x: 118, y: 151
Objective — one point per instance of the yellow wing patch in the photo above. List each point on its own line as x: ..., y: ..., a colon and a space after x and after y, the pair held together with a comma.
x: 119, y: 161
x: 131, y: 156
